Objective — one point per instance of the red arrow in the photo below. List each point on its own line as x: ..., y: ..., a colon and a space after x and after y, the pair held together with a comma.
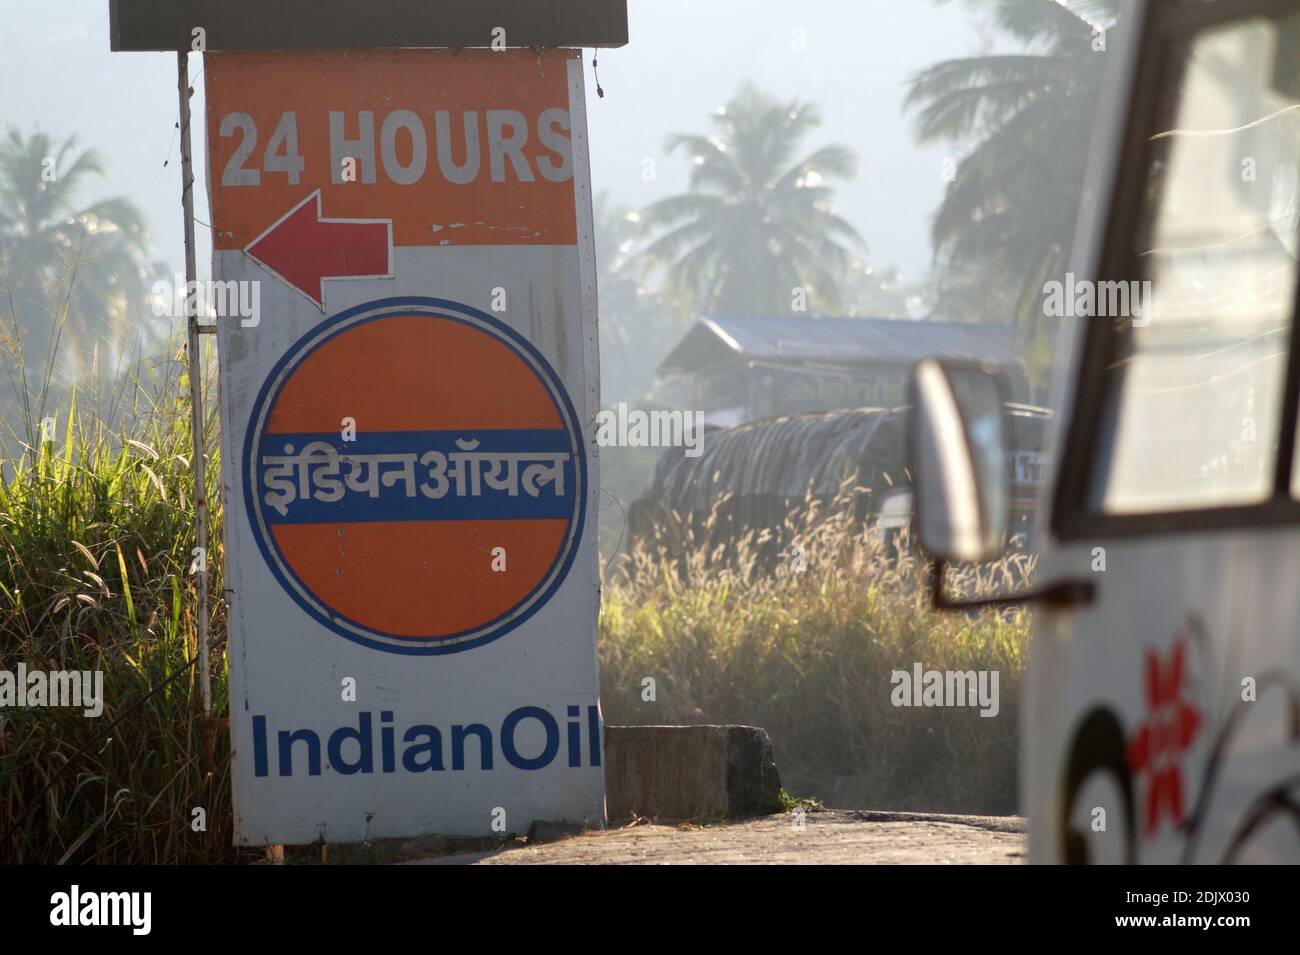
x: 304, y: 249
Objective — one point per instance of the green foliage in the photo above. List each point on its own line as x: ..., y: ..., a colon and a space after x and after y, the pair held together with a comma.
x: 791, y: 803
x: 96, y: 531
x: 808, y: 656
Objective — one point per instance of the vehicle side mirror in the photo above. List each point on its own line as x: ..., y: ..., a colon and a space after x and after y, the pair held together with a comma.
x: 959, y: 459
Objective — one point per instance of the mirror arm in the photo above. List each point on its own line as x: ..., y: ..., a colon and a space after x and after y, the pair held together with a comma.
x: 1062, y: 593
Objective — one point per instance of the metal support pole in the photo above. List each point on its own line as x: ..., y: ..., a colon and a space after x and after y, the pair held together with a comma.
x: 199, y: 462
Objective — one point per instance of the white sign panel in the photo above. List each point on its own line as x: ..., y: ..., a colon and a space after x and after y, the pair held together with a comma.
x: 407, y: 448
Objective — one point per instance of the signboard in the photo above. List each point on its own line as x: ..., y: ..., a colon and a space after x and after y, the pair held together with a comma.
x: 407, y: 447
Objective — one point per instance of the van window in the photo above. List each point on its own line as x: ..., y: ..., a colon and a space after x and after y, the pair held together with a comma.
x: 1194, y: 391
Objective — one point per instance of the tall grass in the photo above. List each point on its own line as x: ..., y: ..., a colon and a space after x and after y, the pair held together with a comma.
x: 96, y: 532
x: 808, y: 654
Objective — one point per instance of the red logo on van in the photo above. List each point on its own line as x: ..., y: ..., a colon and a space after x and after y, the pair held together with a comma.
x: 1157, y: 748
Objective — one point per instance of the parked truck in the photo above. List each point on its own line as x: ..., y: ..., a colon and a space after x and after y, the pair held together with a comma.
x: 757, y: 479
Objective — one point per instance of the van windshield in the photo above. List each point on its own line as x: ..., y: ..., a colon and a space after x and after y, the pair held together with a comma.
x: 1195, y: 394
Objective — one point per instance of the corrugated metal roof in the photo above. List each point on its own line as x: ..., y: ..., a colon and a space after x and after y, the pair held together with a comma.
x: 838, y: 341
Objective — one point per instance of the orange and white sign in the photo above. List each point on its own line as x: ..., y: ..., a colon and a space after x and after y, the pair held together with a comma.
x: 471, y: 148
x: 408, y: 462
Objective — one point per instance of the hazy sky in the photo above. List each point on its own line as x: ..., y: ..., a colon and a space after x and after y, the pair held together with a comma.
x: 684, y: 59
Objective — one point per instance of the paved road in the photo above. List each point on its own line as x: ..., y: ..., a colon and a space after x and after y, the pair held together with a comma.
x: 827, y: 837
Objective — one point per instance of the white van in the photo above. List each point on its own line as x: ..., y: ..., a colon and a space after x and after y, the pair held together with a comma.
x: 1162, y: 714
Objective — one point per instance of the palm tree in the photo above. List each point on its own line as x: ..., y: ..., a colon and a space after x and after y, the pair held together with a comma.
x: 757, y: 222
x: 73, y: 279
x: 1006, y: 218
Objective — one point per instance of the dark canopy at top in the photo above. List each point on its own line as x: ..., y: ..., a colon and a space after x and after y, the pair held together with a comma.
x: 142, y: 25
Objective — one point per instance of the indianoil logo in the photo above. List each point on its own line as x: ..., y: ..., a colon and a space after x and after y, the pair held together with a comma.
x: 415, y: 476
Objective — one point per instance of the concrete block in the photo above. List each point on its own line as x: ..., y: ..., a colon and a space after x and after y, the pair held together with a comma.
x: 689, y: 772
